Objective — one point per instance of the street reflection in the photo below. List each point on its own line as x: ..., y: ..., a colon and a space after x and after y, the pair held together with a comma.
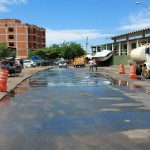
x: 66, y: 78
x: 3, y: 101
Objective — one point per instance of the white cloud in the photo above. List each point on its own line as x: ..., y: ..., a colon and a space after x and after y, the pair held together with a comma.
x: 3, y: 8
x: 4, y: 4
x: 136, y: 21
x: 59, y: 36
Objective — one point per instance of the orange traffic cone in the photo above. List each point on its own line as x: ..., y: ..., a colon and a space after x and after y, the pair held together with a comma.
x: 122, y: 70
x: 133, y: 71
x: 3, y: 80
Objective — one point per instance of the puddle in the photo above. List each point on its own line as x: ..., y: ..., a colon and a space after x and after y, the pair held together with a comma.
x: 68, y: 78
x: 3, y: 100
x: 128, y: 84
x: 44, y: 104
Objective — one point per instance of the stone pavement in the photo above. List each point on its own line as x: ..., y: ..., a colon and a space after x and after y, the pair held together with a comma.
x: 111, y: 72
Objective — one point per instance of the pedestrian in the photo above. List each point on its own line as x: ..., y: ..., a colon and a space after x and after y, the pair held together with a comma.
x: 10, y: 65
x: 17, y: 62
x: 95, y: 64
x: 22, y: 63
x: 91, y: 62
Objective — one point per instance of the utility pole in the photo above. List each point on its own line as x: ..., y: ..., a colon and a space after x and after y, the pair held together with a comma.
x: 86, y: 43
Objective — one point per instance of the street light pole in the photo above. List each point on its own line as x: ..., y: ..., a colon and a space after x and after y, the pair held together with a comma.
x: 86, y: 43
x: 139, y: 3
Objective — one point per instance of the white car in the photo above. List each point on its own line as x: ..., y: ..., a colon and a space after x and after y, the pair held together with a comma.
x: 29, y: 63
x: 62, y: 63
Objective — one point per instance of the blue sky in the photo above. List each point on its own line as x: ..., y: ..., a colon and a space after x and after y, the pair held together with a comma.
x: 75, y: 20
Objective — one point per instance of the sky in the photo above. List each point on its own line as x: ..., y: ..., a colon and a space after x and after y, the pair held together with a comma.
x: 81, y: 21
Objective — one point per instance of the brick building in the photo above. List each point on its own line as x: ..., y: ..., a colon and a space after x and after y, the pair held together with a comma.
x: 21, y: 36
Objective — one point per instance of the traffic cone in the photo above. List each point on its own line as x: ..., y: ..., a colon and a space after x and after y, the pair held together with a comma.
x: 3, y: 80
x: 133, y: 71
x: 122, y: 70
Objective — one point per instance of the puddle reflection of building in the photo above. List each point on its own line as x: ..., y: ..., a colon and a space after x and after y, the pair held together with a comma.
x: 3, y: 100
x: 37, y: 83
x: 7, y: 103
x: 23, y: 87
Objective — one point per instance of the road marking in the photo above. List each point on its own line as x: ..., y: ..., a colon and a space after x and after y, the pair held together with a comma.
x: 138, y: 133
x: 105, y: 109
x: 110, y: 98
x: 127, y: 104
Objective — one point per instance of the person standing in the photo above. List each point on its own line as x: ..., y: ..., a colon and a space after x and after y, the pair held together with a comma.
x: 17, y: 62
x: 91, y: 63
x: 22, y: 63
x: 95, y: 63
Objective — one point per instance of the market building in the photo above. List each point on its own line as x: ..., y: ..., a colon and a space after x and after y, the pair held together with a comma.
x: 122, y: 45
x: 22, y: 37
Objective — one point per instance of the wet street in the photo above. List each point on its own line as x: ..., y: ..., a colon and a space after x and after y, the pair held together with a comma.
x: 72, y: 109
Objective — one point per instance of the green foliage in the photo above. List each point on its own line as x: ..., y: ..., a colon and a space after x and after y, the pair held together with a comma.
x: 53, y: 51
x: 65, y: 50
x: 6, y: 52
x: 71, y: 50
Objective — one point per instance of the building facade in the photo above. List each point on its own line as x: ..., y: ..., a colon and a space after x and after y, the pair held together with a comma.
x: 123, y: 45
x: 21, y: 36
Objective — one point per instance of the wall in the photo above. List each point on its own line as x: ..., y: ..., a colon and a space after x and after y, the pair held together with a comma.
x: 116, y: 60
x: 123, y: 59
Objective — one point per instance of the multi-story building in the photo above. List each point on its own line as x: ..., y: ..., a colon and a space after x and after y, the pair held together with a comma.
x: 123, y: 44
x: 23, y: 37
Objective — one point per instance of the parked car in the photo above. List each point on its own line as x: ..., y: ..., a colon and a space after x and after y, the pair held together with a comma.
x: 56, y: 63
x: 37, y: 60
x: 46, y: 62
x: 62, y: 63
x: 29, y: 63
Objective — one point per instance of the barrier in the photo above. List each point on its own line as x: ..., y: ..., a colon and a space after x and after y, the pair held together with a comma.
x: 133, y: 71
x: 3, y: 80
x: 122, y: 70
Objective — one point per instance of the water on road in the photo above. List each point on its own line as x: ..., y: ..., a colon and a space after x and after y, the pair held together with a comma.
x: 71, y: 109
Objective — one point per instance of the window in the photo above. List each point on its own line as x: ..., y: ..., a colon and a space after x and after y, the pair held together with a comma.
x: 11, y: 44
x: 98, y: 49
x: 11, y: 36
x: 10, y: 29
x: 147, y: 51
x: 125, y: 46
x: 133, y: 45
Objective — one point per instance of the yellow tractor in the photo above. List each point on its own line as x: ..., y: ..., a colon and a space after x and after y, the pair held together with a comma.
x: 79, y: 62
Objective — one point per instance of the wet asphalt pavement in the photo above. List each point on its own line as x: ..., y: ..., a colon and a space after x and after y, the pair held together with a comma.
x: 71, y: 109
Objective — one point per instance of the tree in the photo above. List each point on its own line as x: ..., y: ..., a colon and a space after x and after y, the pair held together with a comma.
x: 71, y: 50
x: 53, y: 51
x: 68, y: 50
x: 4, y: 51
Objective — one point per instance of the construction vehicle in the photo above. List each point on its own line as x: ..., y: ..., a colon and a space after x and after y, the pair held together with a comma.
x: 140, y: 56
x: 79, y: 62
